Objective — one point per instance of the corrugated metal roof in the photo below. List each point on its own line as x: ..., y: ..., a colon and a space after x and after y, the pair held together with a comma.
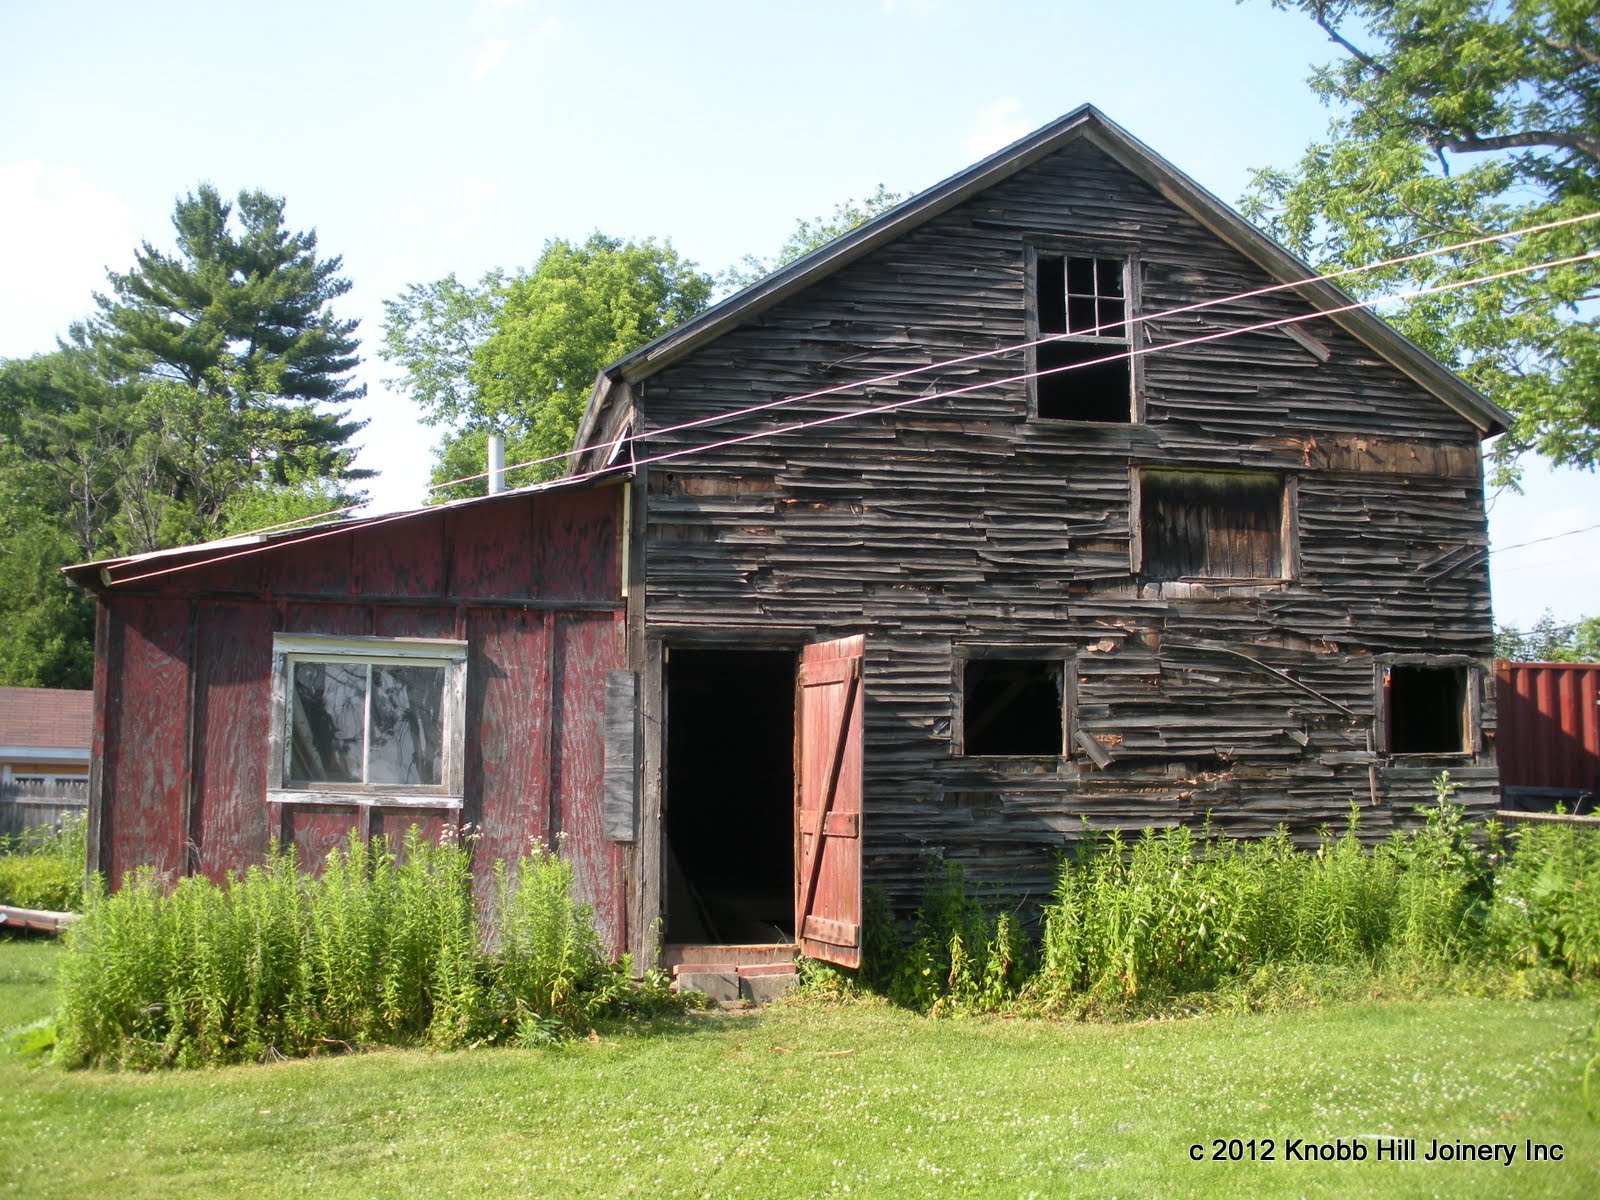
x: 99, y: 573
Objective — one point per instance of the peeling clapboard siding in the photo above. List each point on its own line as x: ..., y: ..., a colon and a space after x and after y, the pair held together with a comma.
x: 963, y: 522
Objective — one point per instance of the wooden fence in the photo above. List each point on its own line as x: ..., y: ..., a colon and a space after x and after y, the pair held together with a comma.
x: 29, y: 806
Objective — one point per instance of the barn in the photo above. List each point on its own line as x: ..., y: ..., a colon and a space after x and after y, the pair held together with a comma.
x: 1054, y: 499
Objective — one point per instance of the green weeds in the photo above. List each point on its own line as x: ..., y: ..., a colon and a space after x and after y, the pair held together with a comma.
x: 378, y: 949
x: 44, y: 868
x: 1175, y: 918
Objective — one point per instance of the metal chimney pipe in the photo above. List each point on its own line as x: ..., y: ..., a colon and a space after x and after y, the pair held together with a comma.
x: 497, y: 464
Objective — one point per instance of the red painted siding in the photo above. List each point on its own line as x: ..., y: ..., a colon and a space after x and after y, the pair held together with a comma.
x: 184, y: 687
x: 587, y: 647
x: 1549, y: 731
x: 147, y: 655
x: 232, y: 710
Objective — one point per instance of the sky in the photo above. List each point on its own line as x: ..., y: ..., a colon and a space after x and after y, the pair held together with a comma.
x: 422, y: 137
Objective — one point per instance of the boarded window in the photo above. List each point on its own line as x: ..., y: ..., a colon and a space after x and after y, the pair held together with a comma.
x: 1426, y: 709
x: 1012, y: 706
x: 1084, y: 372
x: 376, y: 715
x: 1213, y: 525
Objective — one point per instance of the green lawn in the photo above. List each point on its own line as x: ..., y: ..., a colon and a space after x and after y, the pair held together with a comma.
x: 811, y: 1098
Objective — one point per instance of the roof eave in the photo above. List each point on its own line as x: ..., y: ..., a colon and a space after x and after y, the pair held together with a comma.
x: 97, y: 575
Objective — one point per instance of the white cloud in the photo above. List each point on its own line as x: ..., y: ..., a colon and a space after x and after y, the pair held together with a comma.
x: 488, y: 59
x: 59, y: 232
x: 998, y: 123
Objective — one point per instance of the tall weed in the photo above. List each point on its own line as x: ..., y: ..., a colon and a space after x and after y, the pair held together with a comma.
x: 1174, y: 913
x: 44, y: 867
x: 378, y: 948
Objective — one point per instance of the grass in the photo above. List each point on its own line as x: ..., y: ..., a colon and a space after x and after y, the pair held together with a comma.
x: 814, y: 1098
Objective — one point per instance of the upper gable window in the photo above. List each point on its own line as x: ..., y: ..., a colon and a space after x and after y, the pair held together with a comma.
x: 1084, y: 371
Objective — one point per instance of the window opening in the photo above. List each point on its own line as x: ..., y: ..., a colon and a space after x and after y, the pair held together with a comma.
x: 1012, y: 706
x: 1083, y: 302
x: 1213, y: 525
x: 1426, y: 709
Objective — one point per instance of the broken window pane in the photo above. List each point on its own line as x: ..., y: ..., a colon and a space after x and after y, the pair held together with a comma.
x: 1426, y: 709
x: 1218, y: 525
x: 1012, y: 706
x: 1082, y: 298
x: 1052, y: 295
x: 1100, y: 390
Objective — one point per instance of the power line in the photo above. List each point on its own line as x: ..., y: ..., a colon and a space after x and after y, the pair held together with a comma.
x: 1549, y: 538
x: 896, y: 405
x: 896, y: 376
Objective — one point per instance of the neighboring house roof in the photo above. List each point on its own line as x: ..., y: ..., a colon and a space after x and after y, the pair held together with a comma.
x: 45, y: 719
x: 1089, y: 124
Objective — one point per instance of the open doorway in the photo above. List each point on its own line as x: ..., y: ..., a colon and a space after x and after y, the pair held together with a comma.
x: 730, y: 796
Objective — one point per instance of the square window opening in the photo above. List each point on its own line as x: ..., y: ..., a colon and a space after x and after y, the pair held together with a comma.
x: 1084, y: 372
x: 1211, y: 525
x: 1012, y: 707
x: 1426, y: 709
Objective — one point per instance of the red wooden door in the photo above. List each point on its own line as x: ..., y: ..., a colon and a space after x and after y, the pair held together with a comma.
x: 827, y: 915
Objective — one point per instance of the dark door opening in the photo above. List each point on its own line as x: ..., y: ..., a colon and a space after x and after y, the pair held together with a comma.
x: 730, y: 796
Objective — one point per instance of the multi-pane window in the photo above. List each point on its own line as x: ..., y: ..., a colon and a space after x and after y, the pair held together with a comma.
x: 1083, y: 364
x: 379, y: 715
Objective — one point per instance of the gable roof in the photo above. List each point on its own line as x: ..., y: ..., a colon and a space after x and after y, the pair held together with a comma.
x: 46, y: 718
x: 1089, y: 124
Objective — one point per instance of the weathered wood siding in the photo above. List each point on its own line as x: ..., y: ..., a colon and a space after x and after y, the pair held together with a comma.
x: 184, y: 691
x: 962, y: 521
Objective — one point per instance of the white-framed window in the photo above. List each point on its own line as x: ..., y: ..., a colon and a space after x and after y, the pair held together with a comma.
x: 367, y: 718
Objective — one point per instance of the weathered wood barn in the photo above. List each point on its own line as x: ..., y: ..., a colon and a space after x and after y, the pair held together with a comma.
x: 1166, y: 558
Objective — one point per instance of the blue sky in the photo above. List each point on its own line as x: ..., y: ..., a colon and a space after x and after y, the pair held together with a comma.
x: 420, y: 137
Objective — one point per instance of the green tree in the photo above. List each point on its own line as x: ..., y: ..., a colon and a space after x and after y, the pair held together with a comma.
x: 1452, y: 119
x: 200, y: 397
x: 810, y: 234
x: 241, y: 317
x: 517, y: 354
x: 1549, y: 640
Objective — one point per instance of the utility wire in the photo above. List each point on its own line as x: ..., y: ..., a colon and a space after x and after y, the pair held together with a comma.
x: 896, y: 405
x: 1550, y: 538
x: 896, y: 376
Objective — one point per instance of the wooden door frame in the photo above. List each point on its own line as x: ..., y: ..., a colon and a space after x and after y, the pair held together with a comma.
x: 647, y: 884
